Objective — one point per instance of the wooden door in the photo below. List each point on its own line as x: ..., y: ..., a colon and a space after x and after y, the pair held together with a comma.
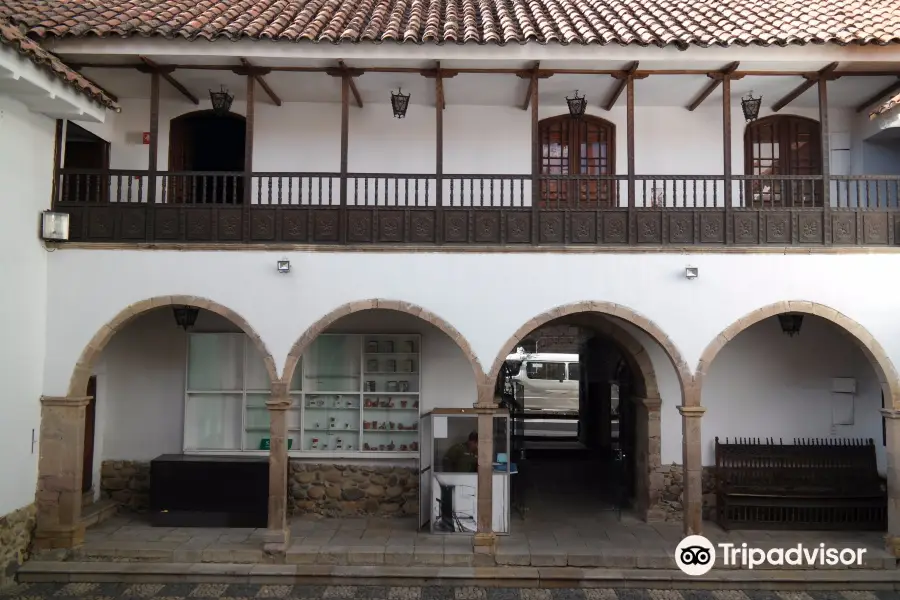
x: 84, y: 150
x: 87, y: 476
x: 583, y: 147
x: 783, y: 145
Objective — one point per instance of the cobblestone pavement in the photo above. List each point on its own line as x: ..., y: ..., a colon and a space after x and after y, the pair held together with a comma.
x: 186, y: 591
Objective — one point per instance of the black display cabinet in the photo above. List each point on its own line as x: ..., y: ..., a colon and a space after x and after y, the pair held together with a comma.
x: 209, y: 491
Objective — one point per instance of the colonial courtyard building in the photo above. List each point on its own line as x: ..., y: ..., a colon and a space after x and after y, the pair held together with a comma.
x: 311, y: 235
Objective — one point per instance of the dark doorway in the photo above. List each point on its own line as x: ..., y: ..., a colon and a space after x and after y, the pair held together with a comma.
x: 87, y: 473
x: 212, y: 145
x: 85, y: 151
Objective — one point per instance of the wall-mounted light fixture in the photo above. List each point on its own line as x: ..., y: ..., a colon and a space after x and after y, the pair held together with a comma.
x: 221, y: 101
x: 577, y: 105
x: 54, y: 226
x: 185, y: 316
x: 750, y: 106
x: 791, y: 323
x: 284, y: 266
x: 691, y: 272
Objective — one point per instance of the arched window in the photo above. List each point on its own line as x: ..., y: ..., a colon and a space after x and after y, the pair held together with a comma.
x: 577, y: 146
x: 783, y: 145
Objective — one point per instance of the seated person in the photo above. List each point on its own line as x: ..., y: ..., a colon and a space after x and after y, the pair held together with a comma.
x: 463, y: 457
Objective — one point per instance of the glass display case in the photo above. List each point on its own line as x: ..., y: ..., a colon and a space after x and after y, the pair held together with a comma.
x: 448, y: 485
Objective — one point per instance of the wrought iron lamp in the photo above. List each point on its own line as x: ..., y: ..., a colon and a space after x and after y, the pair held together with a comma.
x: 185, y: 316
x: 399, y: 102
x: 221, y: 101
x: 750, y: 106
x: 790, y: 323
x: 577, y: 105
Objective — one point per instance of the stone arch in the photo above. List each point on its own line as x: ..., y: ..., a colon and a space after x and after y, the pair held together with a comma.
x: 82, y: 372
x: 884, y: 368
x: 317, y: 328
x: 626, y: 340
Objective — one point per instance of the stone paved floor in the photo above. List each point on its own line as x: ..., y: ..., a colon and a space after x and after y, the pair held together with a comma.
x: 599, y: 540
x: 185, y: 591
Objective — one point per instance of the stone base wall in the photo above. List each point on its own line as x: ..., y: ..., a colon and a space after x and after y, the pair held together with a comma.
x: 16, y: 531
x: 127, y: 482
x: 672, y: 493
x: 349, y: 490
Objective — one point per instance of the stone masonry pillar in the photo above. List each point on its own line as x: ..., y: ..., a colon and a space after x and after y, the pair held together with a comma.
x: 649, y: 480
x: 485, y: 539
x: 60, y: 467
x: 277, y: 535
x: 892, y: 429
x: 693, y: 469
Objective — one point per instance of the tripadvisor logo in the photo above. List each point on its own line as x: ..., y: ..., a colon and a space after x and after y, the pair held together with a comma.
x: 696, y: 555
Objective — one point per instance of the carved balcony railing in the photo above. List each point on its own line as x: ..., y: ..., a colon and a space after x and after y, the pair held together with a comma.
x: 499, y: 210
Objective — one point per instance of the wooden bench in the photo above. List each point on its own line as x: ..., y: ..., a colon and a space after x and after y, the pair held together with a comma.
x: 810, y: 484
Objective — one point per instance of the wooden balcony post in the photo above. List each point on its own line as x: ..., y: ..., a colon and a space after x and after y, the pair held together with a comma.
x: 58, y: 144
x: 826, y: 160
x: 535, y: 161
x: 726, y: 152
x: 629, y: 124
x: 248, y: 157
x: 153, y: 158
x: 439, y: 156
x: 345, y: 144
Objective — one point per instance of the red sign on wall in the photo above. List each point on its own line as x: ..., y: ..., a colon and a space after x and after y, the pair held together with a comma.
x: 147, y: 137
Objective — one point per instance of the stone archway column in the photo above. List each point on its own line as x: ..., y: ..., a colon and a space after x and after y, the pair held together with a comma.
x: 693, y: 469
x: 60, y: 467
x: 277, y: 535
x: 648, y: 461
x: 485, y: 540
x: 892, y: 429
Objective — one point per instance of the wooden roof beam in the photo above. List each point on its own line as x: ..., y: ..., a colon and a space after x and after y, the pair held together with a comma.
x: 623, y: 81
x: 811, y: 80
x: 882, y: 94
x: 353, y: 73
x: 166, y: 73
x: 717, y: 79
x: 439, y: 75
x: 257, y: 73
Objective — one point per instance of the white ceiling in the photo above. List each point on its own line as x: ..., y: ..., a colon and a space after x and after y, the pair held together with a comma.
x: 485, y: 89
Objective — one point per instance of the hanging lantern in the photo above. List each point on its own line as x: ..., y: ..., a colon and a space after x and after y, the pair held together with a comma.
x: 750, y: 106
x: 577, y: 105
x: 185, y: 316
x: 399, y: 102
x: 221, y: 101
x: 791, y: 323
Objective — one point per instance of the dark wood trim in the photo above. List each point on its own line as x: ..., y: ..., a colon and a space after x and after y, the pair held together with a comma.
x: 629, y: 75
x: 58, y: 144
x: 888, y: 91
x: 258, y: 75
x: 717, y: 79
x: 811, y: 80
x: 825, y: 158
x: 629, y: 135
x: 726, y: 147
x: 439, y: 154
x: 350, y: 73
x: 345, y: 147
x: 166, y: 73
x: 535, y: 159
x: 248, y: 156
x: 153, y: 149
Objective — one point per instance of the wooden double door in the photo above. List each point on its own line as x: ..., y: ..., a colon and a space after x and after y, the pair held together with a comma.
x: 783, y: 145
x: 574, y: 152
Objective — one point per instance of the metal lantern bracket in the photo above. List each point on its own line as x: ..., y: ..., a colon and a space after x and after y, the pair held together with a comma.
x: 791, y: 323
x: 751, y: 106
x: 577, y: 105
x: 221, y: 101
x: 399, y: 102
x: 185, y: 316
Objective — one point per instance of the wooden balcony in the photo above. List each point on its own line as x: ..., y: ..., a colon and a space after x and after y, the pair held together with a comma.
x: 477, y: 210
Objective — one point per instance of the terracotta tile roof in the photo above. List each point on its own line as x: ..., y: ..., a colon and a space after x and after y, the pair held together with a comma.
x: 12, y: 36
x: 681, y: 23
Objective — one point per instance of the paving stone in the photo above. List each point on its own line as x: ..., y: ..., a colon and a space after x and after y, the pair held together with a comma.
x: 859, y: 596
x: 600, y: 594
x: 470, y: 593
x: 274, y: 591
x: 632, y: 594
x: 77, y: 589
x: 372, y: 592
x: 209, y: 590
x: 242, y: 590
x: 503, y: 594
x: 432, y: 592
x: 143, y: 590
x: 412, y: 593
x: 308, y: 591
x: 664, y: 595
x: 762, y: 595
x: 536, y: 594
x: 697, y: 595
x: 340, y: 591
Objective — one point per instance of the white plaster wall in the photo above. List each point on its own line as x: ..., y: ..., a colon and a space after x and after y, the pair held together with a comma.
x: 26, y: 170
x: 140, y: 378
x: 766, y: 384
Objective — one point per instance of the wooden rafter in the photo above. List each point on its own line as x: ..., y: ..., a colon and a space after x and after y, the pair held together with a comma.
x: 888, y: 91
x: 165, y: 71
x: 811, y: 80
x: 531, y: 82
x: 623, y: 82
x: 257, y: 73
x: 353, y: 89
x: 439, y: 75
x: 717, y: 79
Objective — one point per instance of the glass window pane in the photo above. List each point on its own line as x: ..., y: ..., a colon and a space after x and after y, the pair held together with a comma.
x: 215, y: 361
x: 333, y: 364
x: 574, y: 371
x: 297, y: 379
x: 257, y: 377
x: 213, y: 422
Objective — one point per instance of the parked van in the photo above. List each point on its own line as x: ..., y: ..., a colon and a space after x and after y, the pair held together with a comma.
x: 549, y: 381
